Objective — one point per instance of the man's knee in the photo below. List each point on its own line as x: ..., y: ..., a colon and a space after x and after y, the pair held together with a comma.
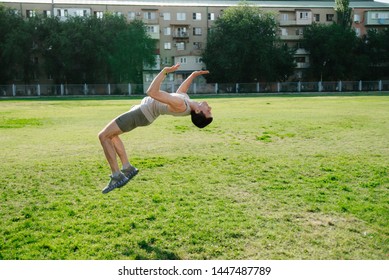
x: 111, y: 131
x: 102, y: 135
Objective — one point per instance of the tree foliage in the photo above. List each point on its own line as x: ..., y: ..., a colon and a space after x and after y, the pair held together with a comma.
x: 336, y: 53
x: 373, y: 53
x: 332, y: 51
x: 242, y: 46
x: 78, y: 50
x: 13, y: 45
x: 343, y: 12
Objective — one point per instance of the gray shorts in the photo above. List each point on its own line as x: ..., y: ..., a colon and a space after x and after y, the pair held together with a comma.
x: 131, y: 119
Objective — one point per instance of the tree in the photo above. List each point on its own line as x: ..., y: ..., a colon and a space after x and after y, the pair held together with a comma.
x: 93, y: 50
x: 52, y: 47
x: 132, y: 48
x: 81, y: 46
x: 78, y: 50
x: 373, y: 55
x: 343, y: 12
x: 16, y: 46
x: 332, y: 51
x: 243, y: 47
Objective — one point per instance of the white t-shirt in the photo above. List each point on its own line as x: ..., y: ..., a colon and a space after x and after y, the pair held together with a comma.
x: 152, y: 108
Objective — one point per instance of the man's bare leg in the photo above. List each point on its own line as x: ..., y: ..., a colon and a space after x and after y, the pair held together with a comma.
x: 121, y: 151
x: 128, y: 170
x: 106, y: 137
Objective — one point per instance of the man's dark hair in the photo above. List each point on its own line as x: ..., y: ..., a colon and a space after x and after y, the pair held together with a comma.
x: 200, y: 120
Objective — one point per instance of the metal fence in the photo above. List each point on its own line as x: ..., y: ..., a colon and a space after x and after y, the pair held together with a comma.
x: 17, y: 90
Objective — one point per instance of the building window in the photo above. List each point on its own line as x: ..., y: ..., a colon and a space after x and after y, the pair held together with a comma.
x: 180, y: 46
x: 167, y: 31
x: 329, y: 17
x: 197, y: 45
x: 198, y: 60
x: 149, y: 77
x: 303, y: 15
x: 211, y: 16
x: 131, y: 15
x: 99, y: 14
x: 66, y: 13
x: 196, y: 16
x: 380, y: 15
x: 30, y: 13
x: 181, y: 16
x: 317, y: 17
x: 197, y: 31
x: 284, y: 17
x: 150, y: 29
x: 149, y: 16
x: 183, y: 60
x: 166, y: 16
x: 167, y: 46
x: 181, y: 32
x: 284, y: 32
x: 46, y: 13
x: 58, y: 13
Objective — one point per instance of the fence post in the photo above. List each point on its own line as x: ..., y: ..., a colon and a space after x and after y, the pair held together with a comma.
x: 216, y: 88
x: 109, y: 89
x: 236, y: 88
x: 360, y: 86
x: 278, y: 87
x: 299, y: 86
x: 194, y: 88
x: 38, y: 89
x: 129, y: 89
x: 340, y: 86
x: 85, y: 89
x: 13, y: 90
x: 380, y: 85
x: 257, y: 87
x: 62, y: 90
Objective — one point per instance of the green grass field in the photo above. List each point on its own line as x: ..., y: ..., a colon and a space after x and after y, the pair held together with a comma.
x: 271, y: 178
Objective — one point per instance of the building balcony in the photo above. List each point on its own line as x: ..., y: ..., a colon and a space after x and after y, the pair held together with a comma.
x: 180, y: 35
x: 302, y: 65
x: 288, y: 22
x: 301, y: 51
x: 380, y: 21
x: 377, y: 18
x: 291, y: 37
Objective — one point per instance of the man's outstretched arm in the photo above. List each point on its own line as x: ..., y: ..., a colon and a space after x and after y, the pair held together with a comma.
x: 175, y: 104
x: 184, y: 87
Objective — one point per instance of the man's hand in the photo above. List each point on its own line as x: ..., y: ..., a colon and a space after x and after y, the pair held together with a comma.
x: 171, y: 69
x: 200, y: 72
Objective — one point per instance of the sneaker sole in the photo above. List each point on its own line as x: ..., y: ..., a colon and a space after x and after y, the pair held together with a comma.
x: 107, y: 190
x: 132, y: 175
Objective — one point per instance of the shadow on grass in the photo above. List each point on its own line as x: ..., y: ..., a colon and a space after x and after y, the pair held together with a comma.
x: 153, y: 252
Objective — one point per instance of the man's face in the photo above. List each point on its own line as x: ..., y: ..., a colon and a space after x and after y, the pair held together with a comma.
x: 206, y: 109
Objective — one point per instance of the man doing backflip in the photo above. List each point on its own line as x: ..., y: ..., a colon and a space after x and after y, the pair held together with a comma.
x: 157, y: 103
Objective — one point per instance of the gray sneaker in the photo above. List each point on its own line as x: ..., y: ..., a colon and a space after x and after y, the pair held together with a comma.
x: 116, y: 182
x: 130, y: 172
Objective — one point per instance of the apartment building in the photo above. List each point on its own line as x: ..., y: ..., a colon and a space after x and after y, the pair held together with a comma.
x: 180, y: 27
